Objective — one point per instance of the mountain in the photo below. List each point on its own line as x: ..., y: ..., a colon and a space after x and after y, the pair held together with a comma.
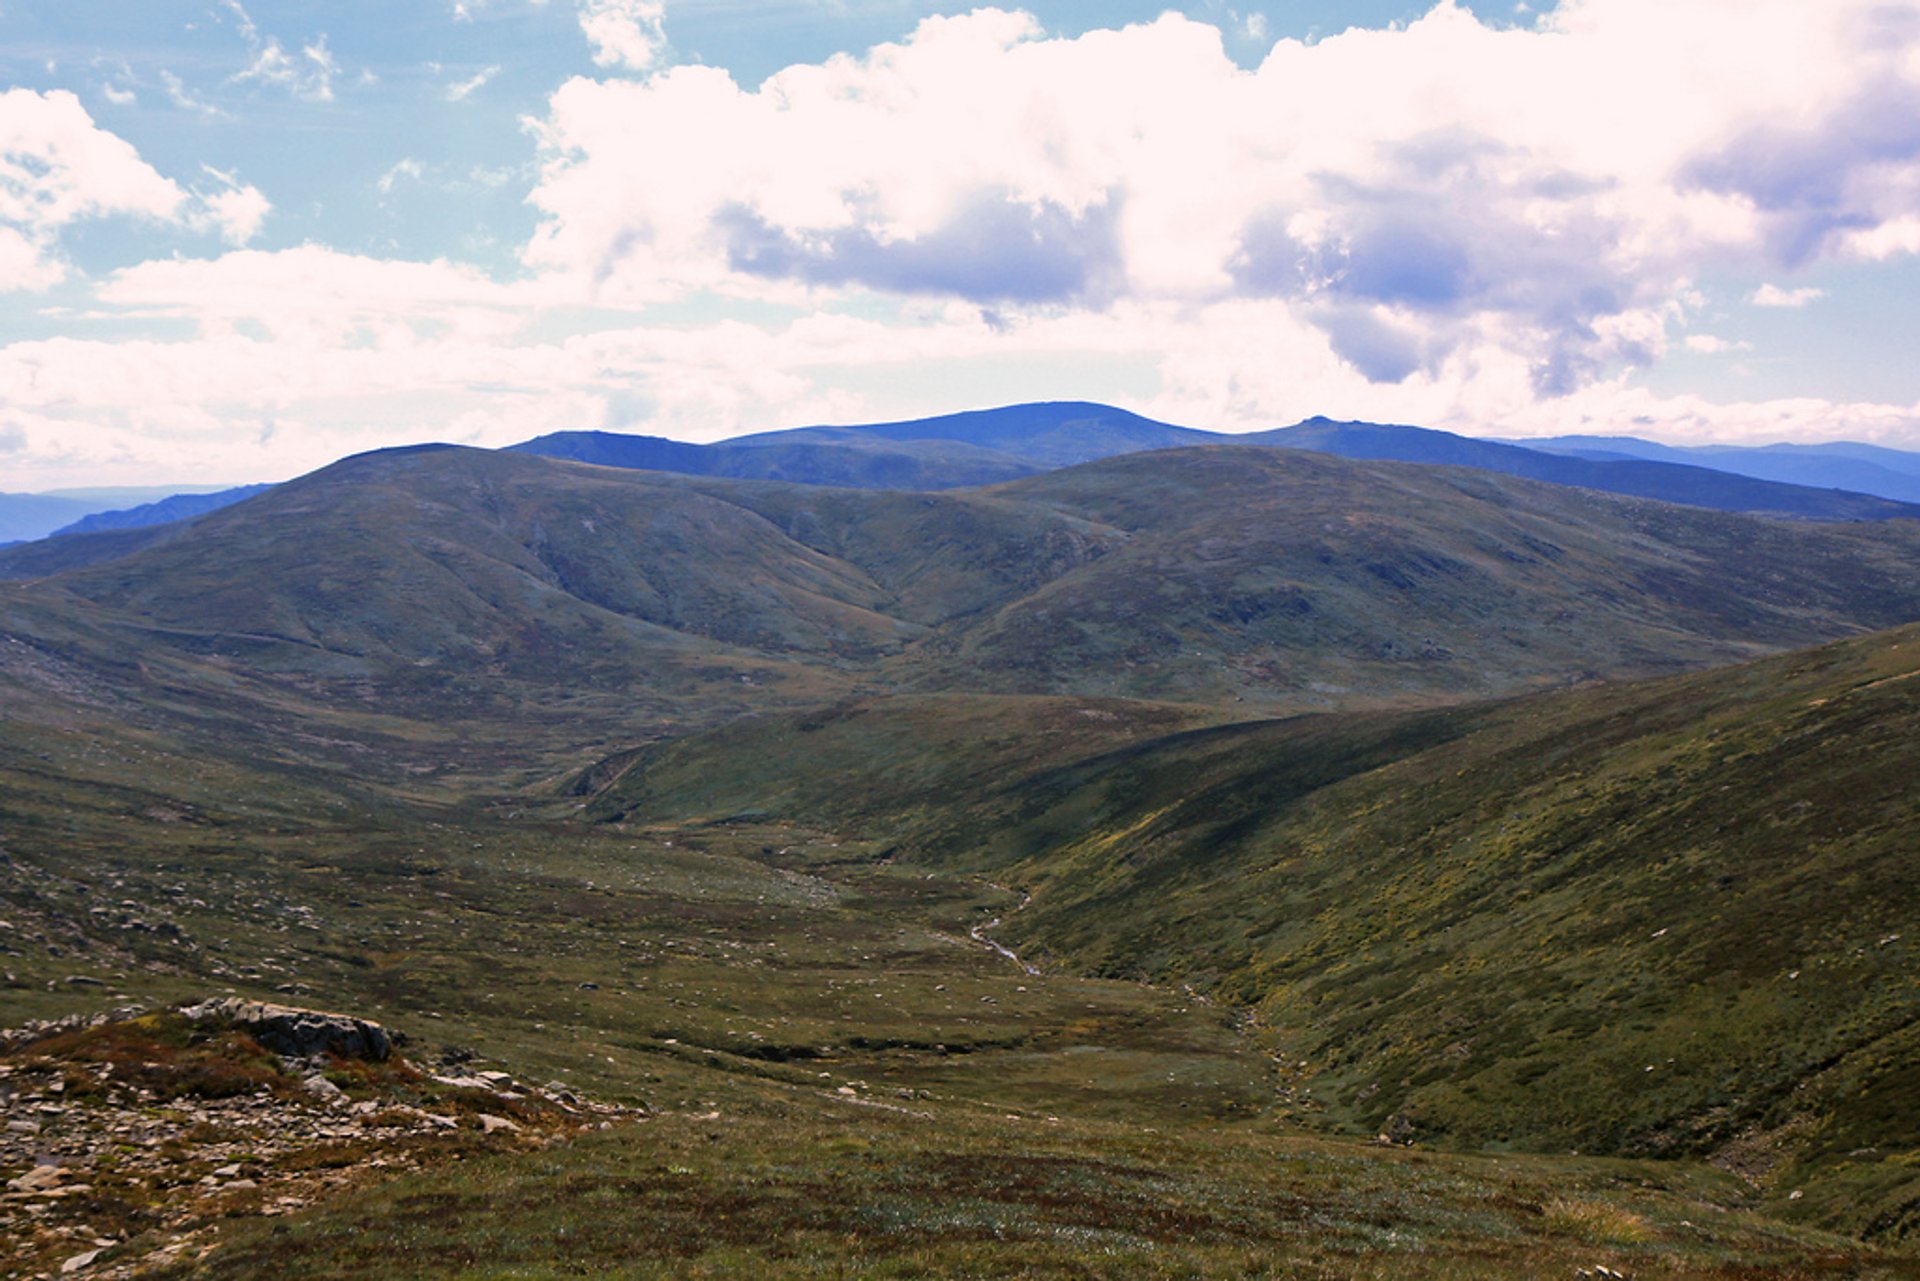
x: 984, y: 446
x: 1864, y: 469
x: 723, y: 798
x: 855, y: 464
x: 1044, y: 435
x: 551, y: 599
x: 1663, y: 918
x: 24, y: 517
x: 951, y: 451
x: 29, y: 516
x: 1695, y: 482
x: 164, y: 511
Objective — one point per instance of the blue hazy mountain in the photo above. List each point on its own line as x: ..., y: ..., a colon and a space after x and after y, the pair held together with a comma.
x: 1862, y: 468
x: 171, y: 508
x: 990, y: 445
x: 1043, y: 435
x: 1694, y: 484
x: 858, y: 463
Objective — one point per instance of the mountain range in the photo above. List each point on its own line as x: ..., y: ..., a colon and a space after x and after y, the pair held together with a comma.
x: 1146, y: 814
x: 983, y: 446
x: 986, y: 446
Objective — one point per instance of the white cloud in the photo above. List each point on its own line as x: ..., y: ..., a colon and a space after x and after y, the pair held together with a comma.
x: 1407, y: 192
x: 58, y: 167
x: 308, y: 75
x: 180, y: 96
x: 25, y: 264
x: 236, y: 210
x: 1709, y: 345
x: 118, y: 96
x: 407, y: 169
x: 460, y: 90
x: 624, y: 33
x: 1771, y: 295
x: 1447, y: 223
x: 1893, y: 238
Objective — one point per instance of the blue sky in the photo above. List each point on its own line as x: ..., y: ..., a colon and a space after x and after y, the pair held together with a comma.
x: 238, y: 239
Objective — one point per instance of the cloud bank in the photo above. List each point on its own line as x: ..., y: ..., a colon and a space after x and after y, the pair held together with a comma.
x: 1487, y: 228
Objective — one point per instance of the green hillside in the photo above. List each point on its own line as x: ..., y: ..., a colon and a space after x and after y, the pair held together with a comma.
x: 449, y: 582
x: 729, y: 797
x: 1669, y: 918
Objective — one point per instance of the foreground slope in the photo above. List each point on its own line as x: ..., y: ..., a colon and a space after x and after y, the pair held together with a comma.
x: 1667, y: 918
x: 837, y: 1075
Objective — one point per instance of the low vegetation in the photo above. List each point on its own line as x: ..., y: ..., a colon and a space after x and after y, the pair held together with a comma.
x: 1099, y: 874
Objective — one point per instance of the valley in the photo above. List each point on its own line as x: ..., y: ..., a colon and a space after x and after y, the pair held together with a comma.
x: 1185, y: 863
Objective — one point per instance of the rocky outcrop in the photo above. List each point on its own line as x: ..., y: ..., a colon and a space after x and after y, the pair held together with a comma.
x: 299, y: 1033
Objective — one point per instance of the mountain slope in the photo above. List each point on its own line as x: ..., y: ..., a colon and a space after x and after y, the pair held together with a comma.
x: 162, y: 512
x: 1863, y: 469
x: 853, y: 464
x: 1664, y: 918
x: 28, y: 516
x: 1698, y: 483
x: 440, y: 578
x: 1045, y: 434
x: 990, y: 445
x: 1246, y: 570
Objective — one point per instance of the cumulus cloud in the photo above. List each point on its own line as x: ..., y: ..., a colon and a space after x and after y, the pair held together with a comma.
x: 58, y: 167
x: 1772, y: 295
x: 1410, y: 193
x: 1710, y: 345
x: 1484, y: 228
x: 236, y: 210
x: 624, y: 33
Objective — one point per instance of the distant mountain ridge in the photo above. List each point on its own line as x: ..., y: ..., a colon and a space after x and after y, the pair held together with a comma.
x: 430, y: 578
x: 1865, y: 469
x: 1696, y: 485
x: 1043, y: 434
x: 166, y: 510
x: 852, y: 464
x: 977, y: 447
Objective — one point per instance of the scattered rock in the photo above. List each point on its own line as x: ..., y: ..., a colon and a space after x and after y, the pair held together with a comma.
x: 41, y: 1178
x: 490, y: 1124
x: 80, y: 1261
x: 324, y: 1090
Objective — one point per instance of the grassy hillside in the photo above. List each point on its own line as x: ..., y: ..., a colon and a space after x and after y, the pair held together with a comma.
x: 551, y: 610
x: 1249, y: 571
x: 306, y: 747
x: 838, y: 1077
x: 1664, y: 918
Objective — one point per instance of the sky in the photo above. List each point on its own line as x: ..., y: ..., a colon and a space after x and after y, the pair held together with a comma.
x: 242, y: 238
